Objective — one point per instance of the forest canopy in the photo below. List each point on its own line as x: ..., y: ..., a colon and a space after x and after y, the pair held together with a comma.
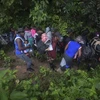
x: 77, y: 14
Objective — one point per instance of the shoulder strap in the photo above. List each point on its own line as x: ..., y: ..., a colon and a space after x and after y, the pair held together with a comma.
x: 94, y: 42
x: 19, y: 38
x: 95, y: 45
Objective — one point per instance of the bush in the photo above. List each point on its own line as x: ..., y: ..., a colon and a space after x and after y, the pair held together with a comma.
x: 6, y: 61
x: 48, y: 85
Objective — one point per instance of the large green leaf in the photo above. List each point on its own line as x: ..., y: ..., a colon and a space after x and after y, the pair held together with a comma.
x: 2, y: 73
x: 18, y: 95
x: 3, y: 95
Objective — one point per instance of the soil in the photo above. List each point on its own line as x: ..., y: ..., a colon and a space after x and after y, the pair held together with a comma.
x: 20, y: 65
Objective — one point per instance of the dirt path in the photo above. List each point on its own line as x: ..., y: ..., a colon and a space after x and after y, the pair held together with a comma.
x: 20, y: 65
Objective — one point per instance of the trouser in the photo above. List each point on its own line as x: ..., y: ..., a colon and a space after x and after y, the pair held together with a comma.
x: 31, y: 41
x: 65, y: 62
x: 26, y: 59
x: 68, y: 60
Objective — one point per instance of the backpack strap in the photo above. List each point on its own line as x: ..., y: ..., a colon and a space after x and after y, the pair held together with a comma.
x: 95, y: 45
x: 94, y: 42
x: 19, y: 38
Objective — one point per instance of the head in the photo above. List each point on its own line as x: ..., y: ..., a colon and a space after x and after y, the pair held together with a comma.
x: 79, y: 39
x: 44, y: 37
x: 70, y: 32
x: 33, y: 27
x: 39, y: 31
x: 26, y: 42
x: 25, y: 28
x: 59, y: 36
x: 12, y: 29
x: 21, y: 32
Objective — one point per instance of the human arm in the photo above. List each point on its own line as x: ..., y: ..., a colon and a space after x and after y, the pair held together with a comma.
x: 25, y: 36
x: 78, y: 54
x: 66, y: 46
x: 20, y: 46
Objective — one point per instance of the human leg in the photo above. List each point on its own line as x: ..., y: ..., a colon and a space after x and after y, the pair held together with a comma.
x: 26, y: 59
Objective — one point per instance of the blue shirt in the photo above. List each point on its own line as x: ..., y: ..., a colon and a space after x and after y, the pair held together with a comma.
x: 72, y: 49
x: 17, y: 51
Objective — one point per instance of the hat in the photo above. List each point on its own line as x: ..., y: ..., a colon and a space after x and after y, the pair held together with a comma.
x: 59, y: 36
x: 78, y: 38
x: 20, y: 30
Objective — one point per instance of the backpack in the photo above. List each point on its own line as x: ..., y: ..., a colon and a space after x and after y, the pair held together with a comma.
x: 95, y: 43
x: 87, y: 52
x: 41, y: 47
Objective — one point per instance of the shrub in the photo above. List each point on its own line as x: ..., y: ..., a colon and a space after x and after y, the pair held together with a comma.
x: 48, y: 85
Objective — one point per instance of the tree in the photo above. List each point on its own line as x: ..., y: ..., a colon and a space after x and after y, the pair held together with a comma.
x: 77, y: 14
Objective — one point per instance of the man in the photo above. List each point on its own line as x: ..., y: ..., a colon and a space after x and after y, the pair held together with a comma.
x: 72, y: 51
x: 19, y: 48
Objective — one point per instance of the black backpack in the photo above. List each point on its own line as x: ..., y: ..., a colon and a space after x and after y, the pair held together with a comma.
x: 87, y: 51
x: 41, y: 47
x: 95, y: 43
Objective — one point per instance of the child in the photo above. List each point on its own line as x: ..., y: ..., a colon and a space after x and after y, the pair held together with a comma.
x: 29, y: 50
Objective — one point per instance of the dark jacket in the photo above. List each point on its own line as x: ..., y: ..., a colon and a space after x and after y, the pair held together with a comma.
x: 41, y: 47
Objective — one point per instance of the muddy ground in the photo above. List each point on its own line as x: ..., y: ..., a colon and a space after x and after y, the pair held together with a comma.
x: 20, y: 65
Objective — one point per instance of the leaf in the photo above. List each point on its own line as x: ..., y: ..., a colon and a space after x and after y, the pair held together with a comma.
x: 17, y: 95
x: 33, y: 98
x: 3, y: 95
x: 2, y: 73
x: 97, y: 86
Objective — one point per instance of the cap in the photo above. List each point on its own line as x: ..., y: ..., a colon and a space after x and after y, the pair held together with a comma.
x: 78, y: 38
x: 20, y: 30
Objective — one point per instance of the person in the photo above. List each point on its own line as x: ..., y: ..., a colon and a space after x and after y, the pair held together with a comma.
x: 19, y: 48
x: 60, y: 46
x: 29, y: 50
x: 28, y: 36
x: 33, y: 31
x: 72, y: 51
x: 52, y: 52
x: 37, y: 36
x: 46, y: 46
x: 41, y: 45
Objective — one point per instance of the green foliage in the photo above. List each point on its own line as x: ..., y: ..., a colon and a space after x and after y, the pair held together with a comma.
x: 6, y: 61
x: 18, y: 95
x: 61, y: 14
x: 6, y: 83
x: 38, y: 13
x: 48, y: 85
x: 58, y: 23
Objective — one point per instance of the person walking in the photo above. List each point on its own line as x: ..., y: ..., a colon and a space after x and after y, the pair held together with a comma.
x: 72, y: 51
x: 19, y: 49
